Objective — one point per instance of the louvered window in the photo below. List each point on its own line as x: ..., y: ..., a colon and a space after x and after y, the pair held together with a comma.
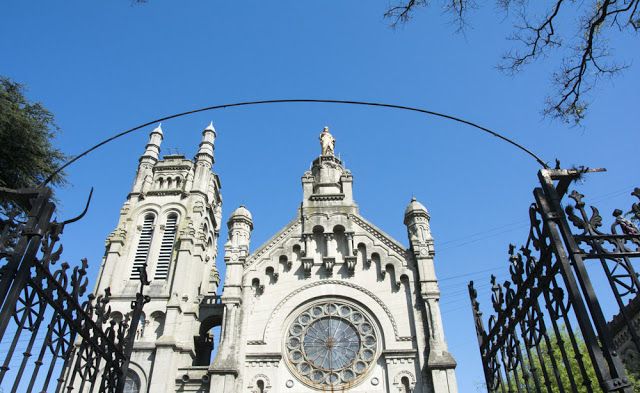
x: 142, y: 253
x: 166, y: 248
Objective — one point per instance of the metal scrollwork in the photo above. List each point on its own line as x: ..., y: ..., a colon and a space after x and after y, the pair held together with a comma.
x: 48, y: 309
x: 545, y: 316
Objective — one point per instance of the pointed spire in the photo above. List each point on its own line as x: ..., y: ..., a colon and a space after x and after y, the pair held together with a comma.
x: 210, y: 127
x: 158, y: 129
x: 205, y: 152
x: 152, y: 150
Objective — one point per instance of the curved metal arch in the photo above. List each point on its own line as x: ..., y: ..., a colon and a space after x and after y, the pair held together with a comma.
x: 283, y: 101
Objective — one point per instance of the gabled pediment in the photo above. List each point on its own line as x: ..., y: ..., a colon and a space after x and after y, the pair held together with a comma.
x: 294, y: 230
x: 274, y: 242
x: 379, y: 234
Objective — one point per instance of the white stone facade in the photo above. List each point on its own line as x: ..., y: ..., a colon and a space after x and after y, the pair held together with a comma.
x: 329, y: 303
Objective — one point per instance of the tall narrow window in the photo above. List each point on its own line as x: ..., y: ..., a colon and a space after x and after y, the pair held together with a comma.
x: 142, y: 253
x: 166, y: 248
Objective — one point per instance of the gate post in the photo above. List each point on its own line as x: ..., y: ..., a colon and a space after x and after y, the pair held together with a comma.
x: 17, y: 270
x: 607, y: 364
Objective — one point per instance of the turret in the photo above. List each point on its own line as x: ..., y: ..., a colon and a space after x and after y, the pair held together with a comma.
x: 204, y: 160
x: 240, y: 226
x: 144, y: 176
x: 416, y: 218
x: 236, y: 249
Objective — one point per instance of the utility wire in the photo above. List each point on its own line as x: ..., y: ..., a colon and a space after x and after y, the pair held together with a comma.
x: 282, y: 101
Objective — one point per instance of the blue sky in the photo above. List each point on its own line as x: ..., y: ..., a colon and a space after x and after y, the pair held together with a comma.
x: 101, y: 67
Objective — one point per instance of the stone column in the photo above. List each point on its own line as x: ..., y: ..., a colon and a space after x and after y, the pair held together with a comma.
x: 307, y: 237
x: 330, y: 241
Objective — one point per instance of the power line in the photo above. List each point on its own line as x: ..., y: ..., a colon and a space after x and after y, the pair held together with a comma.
x: 283, y: 101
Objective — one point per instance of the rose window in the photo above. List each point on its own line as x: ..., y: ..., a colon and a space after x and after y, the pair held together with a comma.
x: 332, y: 343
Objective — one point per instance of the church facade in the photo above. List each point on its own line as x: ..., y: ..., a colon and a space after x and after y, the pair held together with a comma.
x: 329, y: 303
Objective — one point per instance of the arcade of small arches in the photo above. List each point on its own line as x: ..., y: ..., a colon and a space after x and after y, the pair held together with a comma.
x: 331, y: 248
x: 149, y: 329
x: 168, y: 182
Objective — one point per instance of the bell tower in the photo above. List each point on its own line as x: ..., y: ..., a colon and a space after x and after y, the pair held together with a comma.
x: 169, y: 223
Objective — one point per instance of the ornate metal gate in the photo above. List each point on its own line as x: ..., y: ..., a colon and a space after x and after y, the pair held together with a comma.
x: 548, y: 332
x: 57, y: 337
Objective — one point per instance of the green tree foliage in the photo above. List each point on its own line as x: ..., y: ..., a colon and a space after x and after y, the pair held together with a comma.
x: 554, y: 353
x: 27, y: 156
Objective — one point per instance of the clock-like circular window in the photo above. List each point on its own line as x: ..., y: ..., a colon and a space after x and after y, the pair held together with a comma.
x: 331, y: 344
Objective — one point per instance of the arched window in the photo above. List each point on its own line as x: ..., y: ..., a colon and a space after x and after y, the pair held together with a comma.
x: 406, y: 386
x: 260, y: 386
x: 142, y: 253
x: 320, y: 241
x: 340, y: 242
x: 166, y: 248
x: 131, y: 383
x: 158, y: 323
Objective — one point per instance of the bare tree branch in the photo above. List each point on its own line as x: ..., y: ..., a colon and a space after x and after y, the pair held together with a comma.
x: 586, y: 60
x: 572, y: 81
x: 402, y: 13
x: 535, y: 37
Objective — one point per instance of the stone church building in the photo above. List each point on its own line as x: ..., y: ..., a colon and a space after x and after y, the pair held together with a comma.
x: 329, y: 303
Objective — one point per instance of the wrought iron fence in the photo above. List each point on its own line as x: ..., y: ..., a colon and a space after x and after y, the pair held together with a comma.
x: 548, y: 331
x: 54, y: 335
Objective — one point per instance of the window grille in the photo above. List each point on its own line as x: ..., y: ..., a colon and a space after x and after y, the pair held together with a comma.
x: 142, y: 253
x: 166, y: 248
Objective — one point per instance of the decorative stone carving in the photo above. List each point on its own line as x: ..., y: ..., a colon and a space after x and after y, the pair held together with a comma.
x: 273, y: 242
x: 329, y: 263
x: 254, y: 384
x: 307, y: 264
x: 118, y: 235
x: 188, y: 231
x: 379, y: 235
x: 397, y: 381
x: 214, y: 276
x: 351, y: 264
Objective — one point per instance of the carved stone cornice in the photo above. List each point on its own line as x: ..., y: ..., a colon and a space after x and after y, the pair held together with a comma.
x: 307, y: 264
x: 386, y: 240
x: 326, y: 197
x: 329, y: 263
x: 269, y: 245
x: 351, y: 263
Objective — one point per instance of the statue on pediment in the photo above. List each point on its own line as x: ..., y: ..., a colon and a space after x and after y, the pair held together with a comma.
x: 327, y: 142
